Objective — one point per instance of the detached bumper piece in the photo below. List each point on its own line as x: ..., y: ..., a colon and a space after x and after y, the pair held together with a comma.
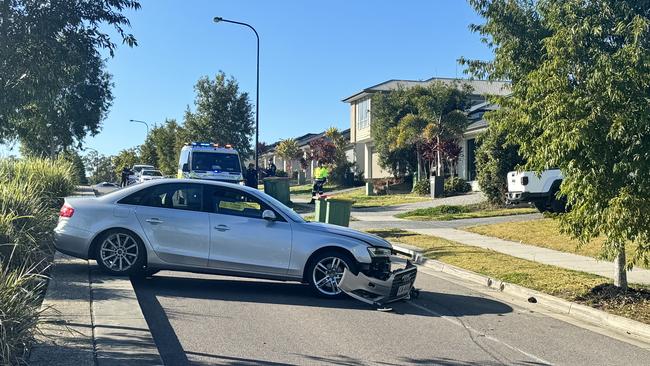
x: 373, y: 291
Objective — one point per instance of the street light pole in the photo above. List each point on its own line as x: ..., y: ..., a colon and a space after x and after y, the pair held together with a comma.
x: 143, y: 122
x: 257, y: 91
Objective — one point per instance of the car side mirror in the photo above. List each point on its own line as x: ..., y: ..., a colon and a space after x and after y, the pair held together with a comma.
x: 185, y: 168
x: 269, y: 215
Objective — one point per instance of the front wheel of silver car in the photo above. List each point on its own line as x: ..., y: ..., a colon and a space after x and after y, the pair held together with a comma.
x: 120, y: 252
x: 326, y: 271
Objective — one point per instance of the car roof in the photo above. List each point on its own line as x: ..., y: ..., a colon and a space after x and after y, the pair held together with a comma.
x: 136, y: 187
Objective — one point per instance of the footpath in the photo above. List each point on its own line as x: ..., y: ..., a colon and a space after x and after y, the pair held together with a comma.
x: 89, y: 318
x: 383, y: 218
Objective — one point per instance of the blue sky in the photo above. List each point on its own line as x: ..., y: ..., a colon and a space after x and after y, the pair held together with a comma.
x: 313, y: 54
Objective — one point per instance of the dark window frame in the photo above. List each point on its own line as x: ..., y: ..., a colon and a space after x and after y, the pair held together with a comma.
x: 208, y: 203
x: 145, y: 193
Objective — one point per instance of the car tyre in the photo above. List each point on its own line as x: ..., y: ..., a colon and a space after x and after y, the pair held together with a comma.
x: 325, y: 271
x: 120, y: 253
x: 541, y: 206
x: 558, y: 205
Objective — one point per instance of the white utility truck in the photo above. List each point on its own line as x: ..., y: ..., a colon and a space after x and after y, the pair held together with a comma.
x: 539, y: 190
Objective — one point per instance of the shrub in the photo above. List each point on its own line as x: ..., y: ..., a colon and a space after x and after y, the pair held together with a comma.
x: 26, y: 222
x: 29, y: 191
x: 20, y: 298
x: 281, y: 173
x: 52, y: 179
x: 457, y: 185
x: 494, y: 159
x: 422, y: 187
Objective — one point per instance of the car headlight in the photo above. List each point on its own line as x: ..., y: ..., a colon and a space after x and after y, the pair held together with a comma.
x: 379, y: 252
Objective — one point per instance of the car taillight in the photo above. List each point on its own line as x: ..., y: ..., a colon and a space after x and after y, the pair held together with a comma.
x: 524, y: 181
x: 66, y: 211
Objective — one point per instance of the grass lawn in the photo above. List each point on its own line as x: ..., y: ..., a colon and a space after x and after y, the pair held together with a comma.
x: 306, y: 188
x: 571, y: 285
x: 448, y: 212
x: 543, y: 233
x: 361, y: 200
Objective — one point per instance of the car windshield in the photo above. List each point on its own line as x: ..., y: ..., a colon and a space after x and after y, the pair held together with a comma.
x: 216, y: 162
x: 153, y: 173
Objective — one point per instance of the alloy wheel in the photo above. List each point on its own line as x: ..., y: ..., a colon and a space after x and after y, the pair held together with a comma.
x: 327, y: 275
x: 118, y: 252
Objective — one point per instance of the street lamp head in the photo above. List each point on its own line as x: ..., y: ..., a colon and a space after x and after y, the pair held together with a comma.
x: 217, y: 19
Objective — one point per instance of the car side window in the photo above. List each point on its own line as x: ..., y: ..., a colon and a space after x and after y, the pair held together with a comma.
x: 177, y: 196
x: 237, y: 203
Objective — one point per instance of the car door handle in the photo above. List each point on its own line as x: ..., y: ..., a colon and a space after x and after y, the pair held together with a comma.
x: 222, y: 228
x: 154, y: 220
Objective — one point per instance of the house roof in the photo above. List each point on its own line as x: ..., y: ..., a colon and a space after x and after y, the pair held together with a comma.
x: 480, y: 87
x: 305, y: 139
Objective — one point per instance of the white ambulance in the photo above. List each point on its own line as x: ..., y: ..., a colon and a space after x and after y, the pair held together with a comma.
x: 205, y: 160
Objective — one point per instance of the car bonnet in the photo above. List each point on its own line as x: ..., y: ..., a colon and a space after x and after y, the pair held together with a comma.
x: 347, y: 232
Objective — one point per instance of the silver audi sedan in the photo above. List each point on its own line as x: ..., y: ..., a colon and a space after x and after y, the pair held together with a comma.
x: 214, y: 227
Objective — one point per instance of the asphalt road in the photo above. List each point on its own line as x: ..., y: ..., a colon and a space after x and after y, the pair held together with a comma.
x: 214, y: 320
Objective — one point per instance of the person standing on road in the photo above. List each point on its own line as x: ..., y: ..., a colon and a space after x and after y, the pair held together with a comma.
x: 321, y: 173
x: 251, y: 176
x: 125, y: 177
x: 272, y: 168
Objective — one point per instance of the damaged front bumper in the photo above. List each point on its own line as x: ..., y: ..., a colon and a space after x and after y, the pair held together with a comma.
x: 397, y: 286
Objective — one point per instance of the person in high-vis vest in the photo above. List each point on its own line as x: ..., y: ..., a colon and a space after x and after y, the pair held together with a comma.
x: 320, y: 175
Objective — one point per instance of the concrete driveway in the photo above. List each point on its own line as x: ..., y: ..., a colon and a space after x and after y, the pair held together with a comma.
x: 215, y: 320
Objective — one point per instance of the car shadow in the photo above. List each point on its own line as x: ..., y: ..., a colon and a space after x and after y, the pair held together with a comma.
x: 428, y: 304
x: 289, y: 293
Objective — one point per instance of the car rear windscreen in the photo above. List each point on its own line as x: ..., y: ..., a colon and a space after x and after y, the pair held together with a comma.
x: 209, y: 161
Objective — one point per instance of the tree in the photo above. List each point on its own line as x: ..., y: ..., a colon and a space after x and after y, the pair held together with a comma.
x: 410, y: 119
x: 54, y: 89
x: 124, y: 159
x: 322, y: 149
x: 78, y: 166
x: 100, y: 168
x: 262, y: 148
x: 581, y: 80
x: 223, y: 114
x: 495, y: 157
x: 162, y: 146
x: 288, y: 150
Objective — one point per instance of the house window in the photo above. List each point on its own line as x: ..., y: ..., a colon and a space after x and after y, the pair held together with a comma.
x: 363, y: 114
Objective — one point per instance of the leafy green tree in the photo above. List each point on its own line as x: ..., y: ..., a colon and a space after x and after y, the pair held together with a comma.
x: 288, y: 150
x: 408, y: 119
x: 54, y: 89
x: 99, y: 168
x: 125, y: 158
x: 223, y: 114
x: 342, y: 169
x: 495, y: 157
x: 78, y: 166
x: 162, y: 146
x: 581, y: 80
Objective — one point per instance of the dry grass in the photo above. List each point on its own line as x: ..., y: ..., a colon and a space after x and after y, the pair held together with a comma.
x: 448, y: 212
x: 361, y: 200
x: 543, y: 233
x: 563, y: 283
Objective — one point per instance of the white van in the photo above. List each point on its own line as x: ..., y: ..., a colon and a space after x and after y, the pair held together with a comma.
x: 204, y: 160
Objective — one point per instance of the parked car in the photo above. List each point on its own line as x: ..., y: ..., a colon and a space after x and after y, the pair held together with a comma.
x: 539, y: 190
x: 149, y: 174
x: 221, y: 228
x: 105, y: 187
x: 135, y: 172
